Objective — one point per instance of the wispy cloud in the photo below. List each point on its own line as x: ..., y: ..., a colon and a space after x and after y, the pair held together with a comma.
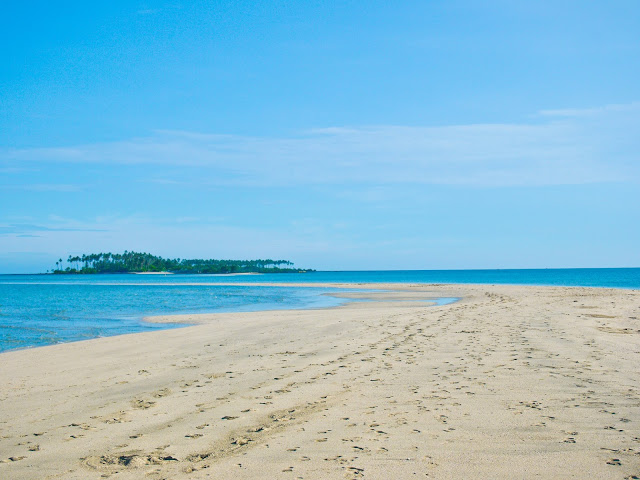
x: 161, y: 181
x: 26, y: 229
x: 44, y: 187
x: 563, y: 147
x: 583, y: 112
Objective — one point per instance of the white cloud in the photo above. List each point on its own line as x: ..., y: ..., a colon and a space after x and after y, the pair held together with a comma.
x: 564, y: 147
x: 582, y: 112
x: 46, y: 187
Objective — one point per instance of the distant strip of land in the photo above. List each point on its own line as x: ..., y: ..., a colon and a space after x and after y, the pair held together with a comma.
x: 136, y: 262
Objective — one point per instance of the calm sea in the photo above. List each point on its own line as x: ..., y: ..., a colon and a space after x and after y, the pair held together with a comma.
x: 37, y: 310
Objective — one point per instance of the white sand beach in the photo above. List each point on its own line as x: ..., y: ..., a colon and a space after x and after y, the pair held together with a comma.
x: 509, y: 382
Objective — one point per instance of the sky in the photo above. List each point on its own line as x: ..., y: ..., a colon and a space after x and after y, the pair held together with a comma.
x: 431, y: 134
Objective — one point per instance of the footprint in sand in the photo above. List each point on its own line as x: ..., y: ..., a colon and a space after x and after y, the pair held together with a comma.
x: 12, y: 459
x: 161, y: 393
x: 142, y: 404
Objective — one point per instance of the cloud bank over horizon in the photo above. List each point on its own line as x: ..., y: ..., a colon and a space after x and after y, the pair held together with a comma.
x: 564, y: 146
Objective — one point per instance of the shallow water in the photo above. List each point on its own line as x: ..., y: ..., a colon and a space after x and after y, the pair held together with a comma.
x: 41, y: 312
x: 38, y: 310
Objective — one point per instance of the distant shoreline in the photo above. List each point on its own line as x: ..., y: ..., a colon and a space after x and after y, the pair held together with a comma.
x: 230, y: 274
x: 152, y: 273
x: 211, y: 274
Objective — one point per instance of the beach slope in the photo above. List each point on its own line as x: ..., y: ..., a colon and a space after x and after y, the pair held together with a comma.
x: 508, y: 382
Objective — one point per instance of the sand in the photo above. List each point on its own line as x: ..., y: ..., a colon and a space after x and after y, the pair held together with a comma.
x: 509, y: 382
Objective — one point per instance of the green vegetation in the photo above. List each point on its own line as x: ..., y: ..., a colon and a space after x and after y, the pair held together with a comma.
x: 134, y: 262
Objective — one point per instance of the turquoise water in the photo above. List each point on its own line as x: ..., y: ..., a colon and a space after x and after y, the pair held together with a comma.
x: 38, y: 310
x: 43, y: 310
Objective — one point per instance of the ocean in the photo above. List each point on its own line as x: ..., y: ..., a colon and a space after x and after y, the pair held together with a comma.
x: 38, y: 310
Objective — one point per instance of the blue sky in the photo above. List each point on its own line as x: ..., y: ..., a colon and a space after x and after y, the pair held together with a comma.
x: 340, y: 135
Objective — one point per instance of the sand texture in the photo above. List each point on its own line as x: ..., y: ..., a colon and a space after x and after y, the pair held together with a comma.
x: 510, y: 382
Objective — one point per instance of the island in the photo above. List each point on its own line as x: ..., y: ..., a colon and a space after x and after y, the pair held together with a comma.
x: 136, y: 262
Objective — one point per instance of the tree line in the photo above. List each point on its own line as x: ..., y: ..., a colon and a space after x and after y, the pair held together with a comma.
x: 136, y: 262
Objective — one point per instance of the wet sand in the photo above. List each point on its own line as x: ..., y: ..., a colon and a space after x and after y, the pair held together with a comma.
x: 508, y: 382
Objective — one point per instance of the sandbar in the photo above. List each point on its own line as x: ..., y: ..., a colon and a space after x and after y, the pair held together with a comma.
x: 507, y: 382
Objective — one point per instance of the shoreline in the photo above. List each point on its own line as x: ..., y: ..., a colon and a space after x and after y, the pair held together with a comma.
x: 178, y: 319
x: 206, y: 274
x: 508, y: 382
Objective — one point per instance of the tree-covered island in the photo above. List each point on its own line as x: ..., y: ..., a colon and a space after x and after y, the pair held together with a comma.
x: 134, y: 262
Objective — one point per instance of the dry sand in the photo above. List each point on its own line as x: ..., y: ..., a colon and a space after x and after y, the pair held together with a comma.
x: 509, y: 382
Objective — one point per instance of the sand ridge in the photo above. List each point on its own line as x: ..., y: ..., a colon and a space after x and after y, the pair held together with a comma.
x: 508, y: 382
